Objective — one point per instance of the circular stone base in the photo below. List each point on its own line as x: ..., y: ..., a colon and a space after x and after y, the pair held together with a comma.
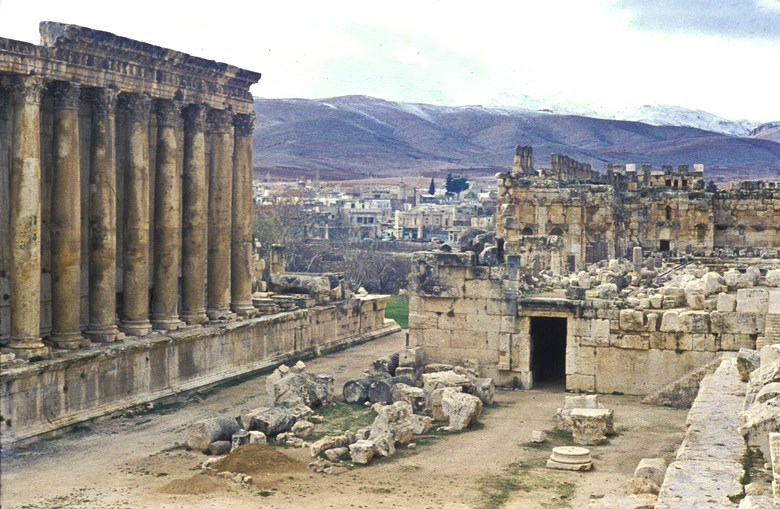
x: 570, y: 458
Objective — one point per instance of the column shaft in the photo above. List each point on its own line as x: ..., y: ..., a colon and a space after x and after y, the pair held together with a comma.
x: 241, y: 232
x: 194, y: 217
x: 102, y: 218
x: 135, y: 276
x: 220, y: 210
x: 66, y: 219
x: 25, y: 277
x: 167, y: 220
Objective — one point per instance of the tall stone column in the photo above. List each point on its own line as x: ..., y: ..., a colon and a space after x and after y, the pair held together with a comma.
x: 194, y: 216
x: 66, y: 219
x: 135, y: 275
x: 25, y: 277
x: 167, y: 220
x: 102, y: 218
x: 241, y: 260
x: 220, y: 210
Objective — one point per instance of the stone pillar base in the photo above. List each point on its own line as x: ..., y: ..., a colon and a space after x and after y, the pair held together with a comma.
x: 195, y: 318
x: 68, y: 341
x: 244, y: 309
x: 28, y: 349
x: 167, y: 323
x: 136, y: 327
x: 220, y: 315
x: 102, y: 334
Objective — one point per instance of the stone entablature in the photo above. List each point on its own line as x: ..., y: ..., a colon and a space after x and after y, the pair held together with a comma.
x: 95, y: 58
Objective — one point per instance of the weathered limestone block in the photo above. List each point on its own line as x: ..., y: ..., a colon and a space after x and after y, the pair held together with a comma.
x: 760, y: 377
x: 753, y: 300
x: 387, y: 364
x: 219, y: 447
x: 441, y: 379
x: 257, y: 437
x: 240, y: 437
x: 421, y: 424
x: 334, y: 455
x: 644, y: 501
x: 773, y: 278
x: 461, y: 409
x: 631, y: 320
x: 414, y: 396
x: 204, y: 432
x: 670, y: 322
x: 747, y: 362
x: 563, y: 416
x: 695, y: 301
x: 590, y: 425
x: 394, y: 420
x: 734, y: 279
x: 757, y: 502
x: 285, y: 282
x: 651, y: 468
x: 736, y: 323
x: 381, y: 390
x: 761, y: 419
x: 411, y: 357
x: 325, y: 443
x: 726, y: 303
x: 435, y: 403
x: 362, y: 451
x: 712, y: 283
x: 642, y: 485
x: 774, y: 447
x: 767, y: 392
x: 694, y: 322
x: 288, y: 385
x: 302, y: 429
x: 483, y: 388
x: 607, y: 291
x: 656, y: 301
x: 769, y: 354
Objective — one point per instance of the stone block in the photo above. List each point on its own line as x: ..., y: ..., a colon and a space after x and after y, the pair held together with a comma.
x: 591, y: 425
x: 752, y: 300
x: 774, y: 447
x: 563, y: 415
x: 769, y: 354
x: 632, y: 320
x: 736, y: 323
x: 670, y: 322
x: 580, y: 383
x: 653, y: 469
x: 726, y: 303
x: 694, y: 321
x: 632, y: 341
x: 653, y: 322
x: 656, y: 301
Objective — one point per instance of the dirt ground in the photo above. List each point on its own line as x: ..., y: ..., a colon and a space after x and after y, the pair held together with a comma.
x: 134, y: 462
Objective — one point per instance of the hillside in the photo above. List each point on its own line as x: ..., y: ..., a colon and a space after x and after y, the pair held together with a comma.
x: 346, y: 137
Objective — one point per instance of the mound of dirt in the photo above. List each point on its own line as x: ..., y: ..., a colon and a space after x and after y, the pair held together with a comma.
x: 198, y: 484
x: 256, y: 459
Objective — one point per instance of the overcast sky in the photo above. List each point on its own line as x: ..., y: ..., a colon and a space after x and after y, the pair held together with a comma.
x: 721, y: 56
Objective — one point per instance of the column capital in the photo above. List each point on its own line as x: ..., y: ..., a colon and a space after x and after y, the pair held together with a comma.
x: 244, y: 124
x: 168, y: 112
x: 26, y: 88
x: 195, y: 117
x: 66, y: 95
x: 136, y: 107
x: 220, y: 121
x: 103, y: 100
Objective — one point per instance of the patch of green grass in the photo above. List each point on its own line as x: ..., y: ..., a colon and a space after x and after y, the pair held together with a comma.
x: 398, y: 310
x: 496, y: 490
x: 559, y: 437
x: 340, y: 417
x: 747, y: 464
x: 265, y: 493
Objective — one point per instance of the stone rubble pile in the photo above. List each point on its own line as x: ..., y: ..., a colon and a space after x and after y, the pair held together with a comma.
x: 761, y: 412
x: 295, y: 392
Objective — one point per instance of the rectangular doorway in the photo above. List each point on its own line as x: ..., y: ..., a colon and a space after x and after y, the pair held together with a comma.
x: 664, y: 246
x: 548, y: 350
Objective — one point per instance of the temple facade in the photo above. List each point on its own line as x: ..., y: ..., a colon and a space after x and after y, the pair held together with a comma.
x: 125, y: 190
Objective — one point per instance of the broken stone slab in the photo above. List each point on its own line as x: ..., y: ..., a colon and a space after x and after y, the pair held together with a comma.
x: 563, y: 414
x: 747, y: 362
x: 772, y: 278
x: 442, y: 379
x: 768, y: 392
x: 362, y: 451
x: 204, y: 432
x: 394, y: 420
x: 257, y: 437
x: 290, y: 440
x: 412, y: 395
x: 460, y: 409
x: 334, y: 455
x: 774, y: 451
x: 219, y: 447
x: 642, y: 485
x: 437, y: 367
x: 313, y: 390
x: 570, y: 458
x: 435, y: 403
x: 538, y: 437
x: 590, y: 426
x: 287, y: 282
x: 651, y: 468
x: 752, y: 300
x: 383, y: 445
x: 483, y: 388
x: 387, y: 364
x: 758, y: 502
x: 421, y: 424
x: 302, y: 429
x: 325, y: 443
x: 726, y: 303
x: 758, y: 379
x: 769, y: 354
x: 760, y: 420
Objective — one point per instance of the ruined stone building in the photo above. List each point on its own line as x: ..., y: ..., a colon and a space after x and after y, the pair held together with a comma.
x: 601, y: 216
x: 126, y: 213
x: 532, y: 306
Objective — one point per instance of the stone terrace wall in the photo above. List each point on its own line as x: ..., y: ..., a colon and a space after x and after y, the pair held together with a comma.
x: 51, y: 394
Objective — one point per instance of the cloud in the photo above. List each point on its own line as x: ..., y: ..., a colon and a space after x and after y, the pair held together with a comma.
x: 730, y: 18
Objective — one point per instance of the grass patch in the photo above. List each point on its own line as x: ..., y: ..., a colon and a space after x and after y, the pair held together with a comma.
x: 747, y: 464
x: 496, y: 490
x: 339, y: 417
x: 558, y: 437
x: 398, y: 310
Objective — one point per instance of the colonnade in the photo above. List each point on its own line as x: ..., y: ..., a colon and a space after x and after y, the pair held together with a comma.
x: 185, y: 258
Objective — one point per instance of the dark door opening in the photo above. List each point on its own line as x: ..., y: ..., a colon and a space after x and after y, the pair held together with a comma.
x: 548, y: 350
x: 664, y: 246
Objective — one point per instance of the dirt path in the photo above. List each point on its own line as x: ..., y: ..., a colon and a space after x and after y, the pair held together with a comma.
x: 129, y: 462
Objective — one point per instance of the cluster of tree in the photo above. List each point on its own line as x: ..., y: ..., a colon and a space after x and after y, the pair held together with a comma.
x: 456, y: 185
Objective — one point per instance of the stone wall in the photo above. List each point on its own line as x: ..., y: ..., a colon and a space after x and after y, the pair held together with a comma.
x: 462, y: 311
x: 44, y: 396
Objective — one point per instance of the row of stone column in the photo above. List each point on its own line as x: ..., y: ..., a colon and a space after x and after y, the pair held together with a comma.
x: 205, y: 234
